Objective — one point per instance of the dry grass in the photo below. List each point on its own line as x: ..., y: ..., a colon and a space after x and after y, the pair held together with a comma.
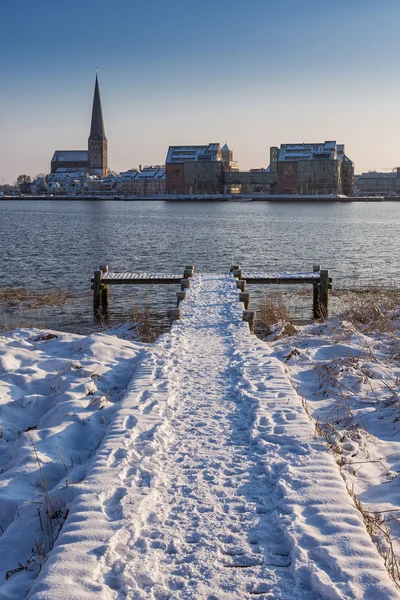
x: 25, y: 308
x: 32, y: 298
x: 373, y: 308
x: 51, y: 516
x: 272, y: 311
x: 143, y: 323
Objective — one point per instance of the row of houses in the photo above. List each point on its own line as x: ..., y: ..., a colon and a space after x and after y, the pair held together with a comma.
x: 149, y: 181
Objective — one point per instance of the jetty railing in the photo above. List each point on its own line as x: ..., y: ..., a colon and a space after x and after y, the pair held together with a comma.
x: 103, y: 278
x: 319, y: 278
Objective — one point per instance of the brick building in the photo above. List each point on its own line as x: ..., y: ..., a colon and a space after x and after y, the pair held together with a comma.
x: 320, y: 168
x: 194, y: 170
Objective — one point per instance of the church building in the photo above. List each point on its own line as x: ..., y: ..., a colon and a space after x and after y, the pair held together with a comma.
x: 94, y: 160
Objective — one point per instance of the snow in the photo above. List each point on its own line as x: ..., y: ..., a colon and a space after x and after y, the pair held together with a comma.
x: 70, y: 155
x: 58, y: 396
x: 201, y: 478
x: 281, y: 275
x: 192, y: 153
x: 307, y: 151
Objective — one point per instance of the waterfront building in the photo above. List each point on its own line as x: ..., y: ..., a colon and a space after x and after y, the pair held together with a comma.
x: 127, y: 181
x: 227, y: 159
x: 377, y: 183
x: 150, y: 181
x: 194, y: 170
x: 255, y: 181
x: 321, y: 168
x: 94, y: 160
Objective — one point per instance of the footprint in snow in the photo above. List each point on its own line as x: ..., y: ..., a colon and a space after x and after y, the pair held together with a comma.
x: 113, y: 507
x: 279, y: 429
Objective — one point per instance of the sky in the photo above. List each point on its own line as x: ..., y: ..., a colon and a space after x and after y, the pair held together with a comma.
x: 254, y: 74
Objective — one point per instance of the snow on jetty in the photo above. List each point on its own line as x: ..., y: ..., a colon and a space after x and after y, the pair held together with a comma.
x: 185, y: 470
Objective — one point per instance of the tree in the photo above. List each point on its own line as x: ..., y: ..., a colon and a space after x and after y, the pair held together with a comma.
x: 23, y: 179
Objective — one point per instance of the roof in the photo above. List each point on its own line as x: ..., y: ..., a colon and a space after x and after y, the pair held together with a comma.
x: 150, y: 174
x: 97, y: 131
x: 70, y: 155
x: 180, y: 154
x: 308, y: 151
x: 225, y: 147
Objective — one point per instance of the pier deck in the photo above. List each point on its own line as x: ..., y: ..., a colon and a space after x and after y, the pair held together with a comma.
x: 113, y: 278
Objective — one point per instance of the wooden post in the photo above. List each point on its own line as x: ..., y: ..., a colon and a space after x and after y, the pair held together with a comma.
x: 188, y: 271
x: 175, y: 314
x: 234, y: 268
x: 241, y: 284
x: 237, y: 273
x: 185, y: 283
x: 250, y: 317
x: 316, y: 312
x: 245, y: 298
x: 324, y: 294
x: 96, y: 292
x: 179, y: 297
x: 104, y: 289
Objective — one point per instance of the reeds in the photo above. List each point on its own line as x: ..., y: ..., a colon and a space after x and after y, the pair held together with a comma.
x: 273, y: 311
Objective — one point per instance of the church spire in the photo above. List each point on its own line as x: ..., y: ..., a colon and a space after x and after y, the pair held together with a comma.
x: 97, y: 127
x: 97, y: 142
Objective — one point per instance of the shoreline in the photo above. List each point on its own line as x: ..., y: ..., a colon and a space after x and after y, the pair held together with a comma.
x: 212, y: 198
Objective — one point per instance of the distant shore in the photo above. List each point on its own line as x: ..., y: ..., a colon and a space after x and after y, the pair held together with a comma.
x: 211, y: 198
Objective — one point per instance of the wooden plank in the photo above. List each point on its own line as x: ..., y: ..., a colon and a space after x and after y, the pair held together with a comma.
x: 283, y: 275
x: 144, y: 280
x: 280, y: 280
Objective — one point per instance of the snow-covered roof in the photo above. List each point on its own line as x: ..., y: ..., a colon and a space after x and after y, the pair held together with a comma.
x: 150, y: 174
x: 131, y: 174
x: 308, y: 151
x: 70, y: 170
x: 179, y: 154
x: 70, y: 155
x: 66, y: 175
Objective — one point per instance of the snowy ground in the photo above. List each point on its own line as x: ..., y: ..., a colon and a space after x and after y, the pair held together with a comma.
x: 202, y: 478
x: 350, y: 383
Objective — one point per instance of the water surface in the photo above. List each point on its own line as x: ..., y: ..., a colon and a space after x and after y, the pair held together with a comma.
x: 53, y: 244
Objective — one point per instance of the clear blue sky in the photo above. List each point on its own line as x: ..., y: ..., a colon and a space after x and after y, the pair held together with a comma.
x: 254, y: 74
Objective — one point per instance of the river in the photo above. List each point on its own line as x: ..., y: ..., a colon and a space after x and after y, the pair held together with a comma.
x: 56, y: 244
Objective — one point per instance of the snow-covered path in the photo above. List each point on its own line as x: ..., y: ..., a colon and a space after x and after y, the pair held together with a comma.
x: 210, y: 484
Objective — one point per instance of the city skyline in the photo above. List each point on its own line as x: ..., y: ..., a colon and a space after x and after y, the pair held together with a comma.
x: 254, y: 76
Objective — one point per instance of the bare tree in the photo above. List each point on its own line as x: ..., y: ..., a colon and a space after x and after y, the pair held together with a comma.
x: 23, y: 179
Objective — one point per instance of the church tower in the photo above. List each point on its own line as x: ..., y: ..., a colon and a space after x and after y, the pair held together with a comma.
x: 97, y: 142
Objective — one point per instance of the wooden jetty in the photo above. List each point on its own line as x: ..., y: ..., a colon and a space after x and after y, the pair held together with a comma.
x: 320, y: 280
x: 103, y: 278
